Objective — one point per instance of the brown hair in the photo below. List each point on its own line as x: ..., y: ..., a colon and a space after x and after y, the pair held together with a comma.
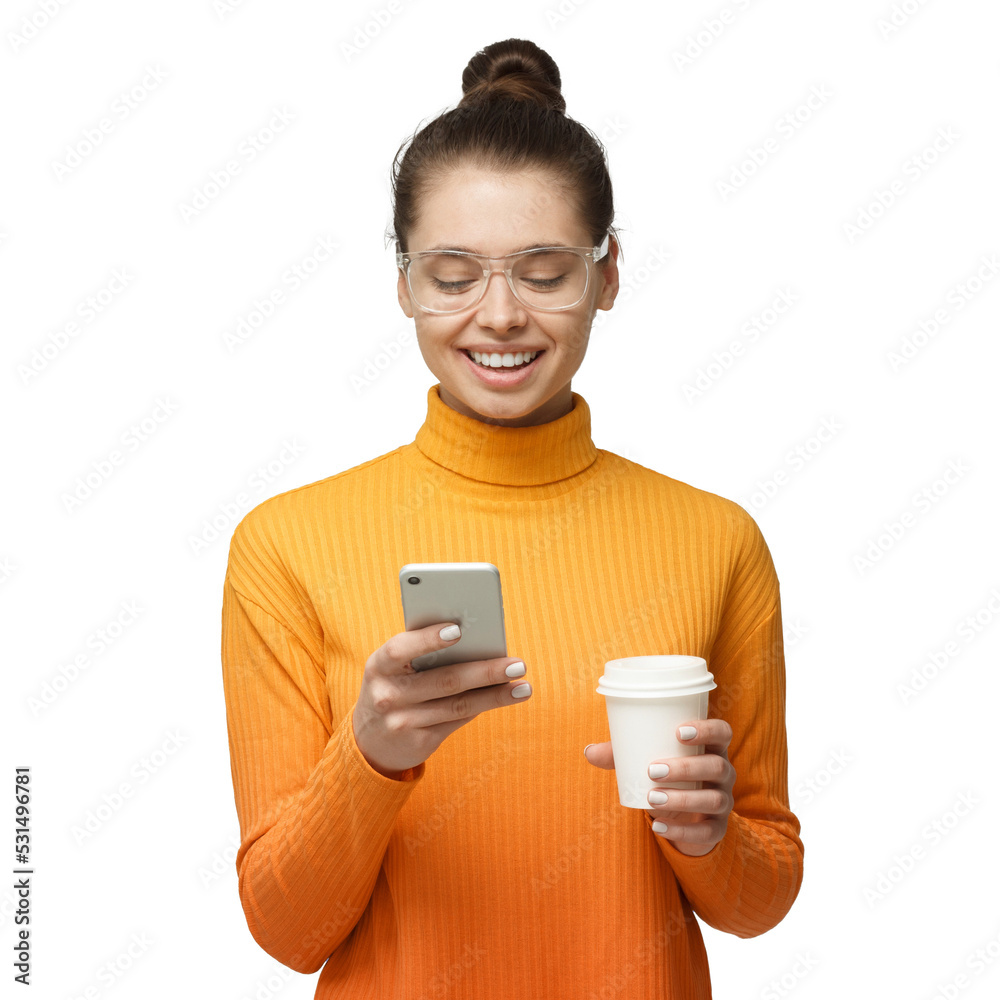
x: 511, y: 117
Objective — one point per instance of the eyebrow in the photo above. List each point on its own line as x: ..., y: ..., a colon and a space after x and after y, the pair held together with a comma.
x: 533, y: 246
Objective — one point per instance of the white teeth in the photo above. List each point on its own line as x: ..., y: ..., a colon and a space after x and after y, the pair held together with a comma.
x: 502, y: 360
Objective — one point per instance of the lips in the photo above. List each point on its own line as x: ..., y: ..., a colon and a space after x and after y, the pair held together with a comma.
x: 505, y: 377
x: 537, y: 352
x: 500, y: 349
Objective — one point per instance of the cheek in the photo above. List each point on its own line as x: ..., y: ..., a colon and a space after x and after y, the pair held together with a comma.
x: 435, y: 335
x: 573, y: 336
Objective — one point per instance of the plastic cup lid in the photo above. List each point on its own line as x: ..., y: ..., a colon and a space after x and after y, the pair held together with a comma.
x: 655, y: 676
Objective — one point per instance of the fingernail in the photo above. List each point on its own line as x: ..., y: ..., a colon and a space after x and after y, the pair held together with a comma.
x: 660, y: 828
x: 657, y: 798
x: 515, y: 670
x: 658, y: 770
x: 450, y: 632
x: 521, y: 691
x: 687, y: 732
x: 586, y: 748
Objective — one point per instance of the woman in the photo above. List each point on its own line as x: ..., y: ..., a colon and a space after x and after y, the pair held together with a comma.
x: 438, y: 833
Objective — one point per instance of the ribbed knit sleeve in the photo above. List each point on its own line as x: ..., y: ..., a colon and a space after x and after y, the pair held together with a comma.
x: 747, y: 883
x: 315, y: 817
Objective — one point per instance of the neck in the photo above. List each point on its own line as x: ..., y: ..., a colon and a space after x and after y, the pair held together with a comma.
x: 552, y: 409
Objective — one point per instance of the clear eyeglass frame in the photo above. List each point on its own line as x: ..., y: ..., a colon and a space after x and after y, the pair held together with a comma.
x: 596, y: 254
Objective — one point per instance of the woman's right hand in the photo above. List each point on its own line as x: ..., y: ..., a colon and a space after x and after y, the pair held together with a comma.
x: 403, y: 715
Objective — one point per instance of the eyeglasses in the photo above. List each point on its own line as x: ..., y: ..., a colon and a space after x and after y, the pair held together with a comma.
x: 546, y: 278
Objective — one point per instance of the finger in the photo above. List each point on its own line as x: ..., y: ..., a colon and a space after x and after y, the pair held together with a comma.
x: 675, y: 819
x: 600, y: 755
x: 395, y: 656
x: 466, y: 705
x: 698, y: 836
x: 454, y: 678
x: 710, y: 768
x: 667, y: 803
x: 713, y: 734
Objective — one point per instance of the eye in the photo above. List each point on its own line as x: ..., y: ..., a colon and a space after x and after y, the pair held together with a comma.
x: 548, y: 270
x: 543, y: 283
x: 446, y: 273
x: 450, y: 286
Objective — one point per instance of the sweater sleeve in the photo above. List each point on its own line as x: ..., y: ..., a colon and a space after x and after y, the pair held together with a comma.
x: 747, y: 883
x: 315, y: 817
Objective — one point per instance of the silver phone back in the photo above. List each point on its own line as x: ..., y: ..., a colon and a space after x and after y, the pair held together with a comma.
x: 464, y: 592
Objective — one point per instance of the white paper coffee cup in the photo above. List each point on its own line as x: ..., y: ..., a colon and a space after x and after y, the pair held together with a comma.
x: 647, y: 698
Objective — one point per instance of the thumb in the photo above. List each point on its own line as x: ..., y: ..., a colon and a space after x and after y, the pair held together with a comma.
x: 599, y: 754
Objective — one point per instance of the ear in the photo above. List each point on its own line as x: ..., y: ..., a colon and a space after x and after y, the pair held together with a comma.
x: 403, y: 294
x: 607, y: 271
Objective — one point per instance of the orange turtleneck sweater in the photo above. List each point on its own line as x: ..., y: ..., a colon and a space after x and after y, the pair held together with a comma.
x: 503, y: 866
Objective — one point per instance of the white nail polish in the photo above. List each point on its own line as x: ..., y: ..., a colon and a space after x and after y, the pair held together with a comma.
x: 521, y: 691
x: 515, y: 670
x: 657, y: 798
x: 657, y: 771
x: 660, y: 828
x: 450, y: 632
x: 687, y: 732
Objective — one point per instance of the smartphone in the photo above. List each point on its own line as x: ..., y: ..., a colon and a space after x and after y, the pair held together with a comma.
x: 467, y: 593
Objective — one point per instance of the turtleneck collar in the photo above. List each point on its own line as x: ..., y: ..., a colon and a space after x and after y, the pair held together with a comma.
x: 511, y: 456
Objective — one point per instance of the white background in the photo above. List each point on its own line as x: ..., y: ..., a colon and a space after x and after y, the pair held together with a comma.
x: 888, y: 906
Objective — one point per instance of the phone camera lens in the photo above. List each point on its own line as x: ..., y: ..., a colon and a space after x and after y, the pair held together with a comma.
x: 413, y: 579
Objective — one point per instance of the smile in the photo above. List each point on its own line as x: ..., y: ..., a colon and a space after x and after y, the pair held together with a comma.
x: 507, y: 360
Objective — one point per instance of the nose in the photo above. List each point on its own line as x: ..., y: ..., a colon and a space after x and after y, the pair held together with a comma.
x: 499, y: 309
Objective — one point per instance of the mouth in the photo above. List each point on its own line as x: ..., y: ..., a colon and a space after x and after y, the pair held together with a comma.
x: 505, y: 376
x: 508, y: 361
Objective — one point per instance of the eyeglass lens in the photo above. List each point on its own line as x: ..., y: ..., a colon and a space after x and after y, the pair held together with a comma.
x: 547, y: 279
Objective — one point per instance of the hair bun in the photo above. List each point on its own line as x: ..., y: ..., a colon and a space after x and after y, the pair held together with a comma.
x: 515, y: 69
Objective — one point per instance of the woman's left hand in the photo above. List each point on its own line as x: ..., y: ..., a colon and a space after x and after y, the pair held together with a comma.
x: 694, y: 820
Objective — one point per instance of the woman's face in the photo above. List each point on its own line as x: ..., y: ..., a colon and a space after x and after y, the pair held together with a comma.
x: 496, y: 214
